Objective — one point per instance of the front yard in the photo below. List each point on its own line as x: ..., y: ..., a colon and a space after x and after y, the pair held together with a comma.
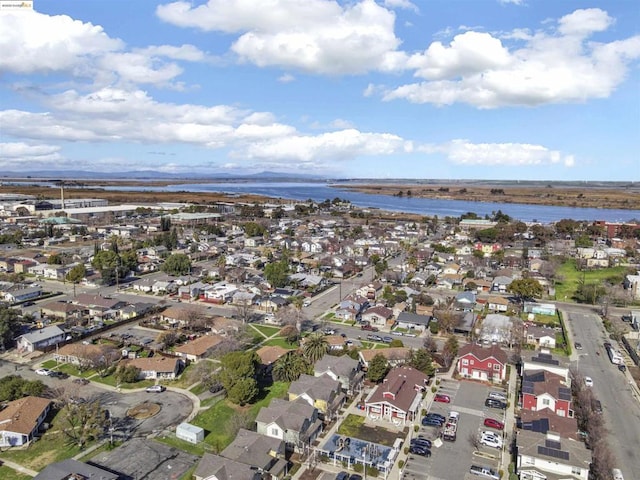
x: 353, y: 426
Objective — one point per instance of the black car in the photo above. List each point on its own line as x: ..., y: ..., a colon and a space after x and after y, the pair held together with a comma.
x: 417, y: 450
x: 216, y: 387
x: 342, y: 476
x: 355, y: 476
x: 622, y: 368
x: 56, y: 374
x: 493, y: 403
x: 80, y: 381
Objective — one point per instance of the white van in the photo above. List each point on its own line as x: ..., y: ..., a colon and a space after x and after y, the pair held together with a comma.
x: 502, y: 396
x: 617, y: 474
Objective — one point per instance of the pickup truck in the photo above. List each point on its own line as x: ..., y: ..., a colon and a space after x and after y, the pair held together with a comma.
x: 485, y: 472
x: 450, y: 430
x: 371, y: 328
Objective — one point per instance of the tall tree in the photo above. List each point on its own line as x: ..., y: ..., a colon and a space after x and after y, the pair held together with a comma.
x: 526, y: 288
x: 421, y: 360
x: 277, y: 273
x: 75, y: 275
x: 289, y: 367
x: 177, y: 264
x: 237, y: 376
x: 315, y: 347
x: 378, y: 368
x: 9, y: 326
x: 450, y: 350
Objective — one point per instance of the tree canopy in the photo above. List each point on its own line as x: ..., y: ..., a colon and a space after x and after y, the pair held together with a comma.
x: 277, y: 273
x: 378, y: 368
x: 13, y: 387
x: 177, y: 264
x: 237, y: 376
x: 526, y: 288
x: 9, y: 325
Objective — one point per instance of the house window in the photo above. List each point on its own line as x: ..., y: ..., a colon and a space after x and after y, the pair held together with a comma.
x: 489, y: 364
x: 546, y: 402
x: 470, y: 362
x: 275, y: 432
x: 465, y: 361
x: 496, y: 367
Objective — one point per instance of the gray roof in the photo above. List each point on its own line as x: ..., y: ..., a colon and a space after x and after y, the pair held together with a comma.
x: 43, y: 334
x: 323, y: 387
x: 62, y: 470
x: 342, y: 366
x: 293, y: 416
x: 253, y: 449
x: 224, y: 469
x: 408, y: 317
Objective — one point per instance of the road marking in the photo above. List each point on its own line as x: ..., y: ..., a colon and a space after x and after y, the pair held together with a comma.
x: 470, y: 411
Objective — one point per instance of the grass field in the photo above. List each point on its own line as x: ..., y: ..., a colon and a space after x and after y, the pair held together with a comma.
x: 218, y: 421
x: 571, y: 277
x: 8, y: 473
x: 266, y: 330
x: 280, y: 342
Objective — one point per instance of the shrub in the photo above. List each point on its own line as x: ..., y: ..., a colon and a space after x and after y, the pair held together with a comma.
x: 434, y: 389
x: 406, y: 449
x: 372, y: 471
x: 357, y: 467
x: 416, y: 428
x: 400, y: 463
x: 423, y: 412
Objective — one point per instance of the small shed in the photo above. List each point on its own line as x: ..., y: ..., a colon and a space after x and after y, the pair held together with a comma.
x: 190, y: 433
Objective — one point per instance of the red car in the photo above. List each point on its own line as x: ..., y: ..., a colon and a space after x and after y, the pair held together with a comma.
x: 442, y: 398
x: 492, y: 423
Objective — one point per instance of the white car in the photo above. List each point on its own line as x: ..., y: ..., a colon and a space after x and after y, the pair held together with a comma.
x: 43, y: 371
x: 588, y: 381
x: 490, y: 439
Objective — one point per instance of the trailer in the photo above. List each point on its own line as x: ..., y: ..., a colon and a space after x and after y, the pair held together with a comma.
x: 451, y: 427
x: 615, y: 356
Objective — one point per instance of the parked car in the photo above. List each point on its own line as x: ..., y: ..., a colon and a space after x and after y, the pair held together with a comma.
x: 597, y: 406
x: 329, y: 331
x: 76, y: 400
x: 441, y: 397
x: 423, y: 442
x: 442, y: 418
x: 485, y: 472
x: 502, y: 396
x: 374, y: 338
x: 342, y: 476
x: 616, y: 473
x: 81, y: 381
x: 577, y: 346
x: 371, y: 328
x: 307, y: 303
x: 588, y: 381
x: 490, y: 439
x: 622, y: 368
x: 417, y: 450
x: 216, y: 387
x: 57, y: 374
x: 493, y: 403
x: 155, y: 389
x: 387, y: 339
x: 493, y: 423
x: 355, y: 476
x: 432, y: 422
x: 43, y: 371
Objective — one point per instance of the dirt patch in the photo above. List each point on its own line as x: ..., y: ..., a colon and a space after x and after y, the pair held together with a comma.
x: 144, y: 410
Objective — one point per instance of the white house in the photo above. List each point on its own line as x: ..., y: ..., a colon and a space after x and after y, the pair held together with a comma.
x: 21, y: 419
x: 40, y: 338
x: 542, y: 455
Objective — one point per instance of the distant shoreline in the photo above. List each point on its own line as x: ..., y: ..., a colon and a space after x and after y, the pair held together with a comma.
x: 600, y: 195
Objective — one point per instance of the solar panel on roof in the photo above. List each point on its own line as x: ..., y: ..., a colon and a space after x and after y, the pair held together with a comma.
x: 534, y: 377
x: 552, y: 444
x: 545, y: 358
x: 564, y: 393
x: 527, y: 387
x: 552, y: 452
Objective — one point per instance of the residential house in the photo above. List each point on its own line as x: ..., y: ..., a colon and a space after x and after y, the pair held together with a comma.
x: 62, y: 310
x: 322, y: 392
x: 413, y: 321
x: 496, y: 328
x: 216, y: 467
x: 263, y: 453
x: 98, y: 306
x: 542, y: 456
x: 40, y: 339
x: 296, y: 423
x: 540, y: 336
x: 199, y: 348
x: 487, y: 364
x: 542, y: 389
x: 500, y: 284
x: 545, y: 361
x: 632, y: 283
x: 20, y: 420
x: 398, y: 398
x: 395, y: 355
x: 70, y: 469
x: 270, y: 354
x: 465, y: 322
x: 22, y: 294
x: 162, y: 287
x: 157, y: 367
x: 545, y: 420
x: 496, y: 303
x: 182, y: 315
x: 377, y: 316
x: 87, y: 355
x: 465, y: 301
x: 344, y: 369
x: 539, y: 308
x: 272, y: 303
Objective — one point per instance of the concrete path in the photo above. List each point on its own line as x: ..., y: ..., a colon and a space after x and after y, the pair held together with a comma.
x: 19, y: 468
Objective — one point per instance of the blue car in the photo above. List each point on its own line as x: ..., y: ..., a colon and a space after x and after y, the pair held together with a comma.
x: 425, y: 452
x: 432, y: 422
x: 421, y: 442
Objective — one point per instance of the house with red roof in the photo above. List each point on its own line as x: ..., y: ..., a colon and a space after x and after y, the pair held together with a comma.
x: 482, y: 363
x: 397, y: 399
x: 543, y: 389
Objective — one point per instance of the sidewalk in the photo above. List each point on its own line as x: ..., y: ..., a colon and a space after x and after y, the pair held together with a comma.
x: 19, y: 468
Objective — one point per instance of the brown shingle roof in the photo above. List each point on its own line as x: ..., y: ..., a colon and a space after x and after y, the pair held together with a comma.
x: 483, y: 353
x: 399, y: 387
x: 392, y: 353
x: 269, y: 354
x: 155, y: 364
x: 200, y: 345
x: 566, y: 427
x: 21, y: 415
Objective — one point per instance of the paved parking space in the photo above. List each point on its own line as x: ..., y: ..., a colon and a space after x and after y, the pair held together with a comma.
x: 453, y: 459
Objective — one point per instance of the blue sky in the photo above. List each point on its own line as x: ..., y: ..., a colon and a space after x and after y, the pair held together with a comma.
x: 463, y: 89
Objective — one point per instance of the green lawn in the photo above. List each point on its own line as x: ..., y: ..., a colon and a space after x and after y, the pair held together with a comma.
x: 8, y: 473
x: 218, y: 420
x: 172, y: 440
x: 198, y: 389
x: 74, y: 371
x: 111, y: 380
x: 351, y: 425
x: 548, y: 320
x: 280, y: 342
x: 567, y: 287
x: 266, y: 330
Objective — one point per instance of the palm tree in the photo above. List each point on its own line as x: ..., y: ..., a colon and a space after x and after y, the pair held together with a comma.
x: 289, y: 367
x: 315, y: 346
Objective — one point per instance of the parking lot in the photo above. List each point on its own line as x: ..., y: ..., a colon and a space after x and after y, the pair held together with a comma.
x: 453, y: 459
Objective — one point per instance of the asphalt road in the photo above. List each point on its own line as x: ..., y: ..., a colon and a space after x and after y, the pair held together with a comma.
x: 175, y: 407
x: 611, y: 387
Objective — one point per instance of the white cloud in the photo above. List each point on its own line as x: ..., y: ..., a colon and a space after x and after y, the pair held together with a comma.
x: 319, y: 36
x: 558, y: 67
x: 21, y: 150
x: 286, y: 78
x: 514, y: 2
x: 406, y: 4
x: 464, y: 152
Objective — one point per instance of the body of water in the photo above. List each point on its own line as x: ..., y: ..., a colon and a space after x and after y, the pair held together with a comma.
x: 422, y: 206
